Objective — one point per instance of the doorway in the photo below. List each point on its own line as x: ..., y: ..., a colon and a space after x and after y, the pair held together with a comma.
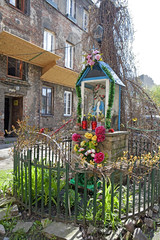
x: 13, y: 112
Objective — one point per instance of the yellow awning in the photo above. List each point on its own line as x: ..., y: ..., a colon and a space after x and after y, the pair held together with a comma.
x: 18, y: 48
x: 23, y: 50
x: 60, y: 75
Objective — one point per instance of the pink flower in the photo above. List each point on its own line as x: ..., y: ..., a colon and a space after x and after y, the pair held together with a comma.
x: 100, y: 130
x: 99, y: 157
x: 81, y: 150
x: 97, y: 57
x: 89, y: 56
x: 90, y: 62
x: 101, y: 138
x: 95, y: 51
x: 76, y: 137
x: 111, y: 130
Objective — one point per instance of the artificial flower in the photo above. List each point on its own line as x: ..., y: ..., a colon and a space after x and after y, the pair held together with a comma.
x: 95, y: 51
x: 94, y: 143
x: 99, y: 157
x: 90, y: 62
x: 91, y: 162
x: 93, y: 150
x: 93, y: 155
x: 89, y: 56
x: 76, y: 137
x: 97, y: 57
x: 83, y: 143
x: 100, y: 130
x: 41, y: 130
x: 111, y: 130
x: 134, y: 119
x: 101, y: 138
x: 76, y: 148
x: 94, y: 138
x: 89, y: 151
x: 88, y: 135
x: 81, y: 150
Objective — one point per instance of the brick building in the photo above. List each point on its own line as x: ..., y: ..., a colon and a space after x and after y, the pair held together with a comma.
x: 40, y: 58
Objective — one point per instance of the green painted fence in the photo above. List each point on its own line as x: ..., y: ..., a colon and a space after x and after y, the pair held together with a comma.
x: 45, y: 185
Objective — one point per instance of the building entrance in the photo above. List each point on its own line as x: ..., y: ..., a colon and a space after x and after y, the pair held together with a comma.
x: 13, y: 112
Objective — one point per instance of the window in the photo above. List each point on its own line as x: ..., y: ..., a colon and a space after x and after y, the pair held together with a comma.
x: 67, y: 103
x: 49, y: 41
x: 52, y: 3
x: 18, y: 4
x: 85, y: 20
x: 71, y: 8
x: 69, y: 55
x: 14, y: 68
x: 46, y: 101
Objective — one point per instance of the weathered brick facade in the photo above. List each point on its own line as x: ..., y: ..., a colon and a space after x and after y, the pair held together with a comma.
x: 23, y: 97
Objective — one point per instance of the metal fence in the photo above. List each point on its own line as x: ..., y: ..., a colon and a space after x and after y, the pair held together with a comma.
x: 45, y: 184
x: 140, y: 143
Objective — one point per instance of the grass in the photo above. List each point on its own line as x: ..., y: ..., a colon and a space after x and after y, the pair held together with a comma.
x: 5, y: 177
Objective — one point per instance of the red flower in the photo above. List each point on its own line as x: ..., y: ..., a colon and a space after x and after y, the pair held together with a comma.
x: 76, y: 137
x: 99, y: 157
x: 100, y: 138
x: 111, y: 130
x: 100, y: 130
x: 41, y: 130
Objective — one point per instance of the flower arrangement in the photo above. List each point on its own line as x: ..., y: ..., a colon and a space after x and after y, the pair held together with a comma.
x: 87, y: 149
x: 91, y: 59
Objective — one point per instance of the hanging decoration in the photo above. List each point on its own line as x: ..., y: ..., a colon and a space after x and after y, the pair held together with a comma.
x: 91, y: 59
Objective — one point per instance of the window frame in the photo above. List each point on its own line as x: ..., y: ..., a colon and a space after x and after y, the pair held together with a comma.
x: 66, y: 114
x: 52, y: 3
x: 21, y: 68
x: 71, y: 8
x: 85, y: 25
x: 46, y: 34
x: 46, y: 113
x: 69, y: 55
x: 15, y: 6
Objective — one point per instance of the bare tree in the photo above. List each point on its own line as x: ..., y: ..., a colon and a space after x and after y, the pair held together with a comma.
x: 116, y: 46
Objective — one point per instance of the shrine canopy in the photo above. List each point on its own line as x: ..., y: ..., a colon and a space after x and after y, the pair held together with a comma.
x: 97, y: 88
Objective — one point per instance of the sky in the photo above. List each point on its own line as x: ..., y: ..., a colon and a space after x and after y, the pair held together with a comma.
x: 145, y: 16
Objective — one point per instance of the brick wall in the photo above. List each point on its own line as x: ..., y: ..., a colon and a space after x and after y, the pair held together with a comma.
x: 40, y: 15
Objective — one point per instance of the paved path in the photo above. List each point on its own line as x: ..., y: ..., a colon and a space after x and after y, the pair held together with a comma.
x: 6, y: 154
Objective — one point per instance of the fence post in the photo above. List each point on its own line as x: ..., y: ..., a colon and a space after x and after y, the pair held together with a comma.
x: 85, y: 195
x: 112, y: 192
x: 104, y: 199
x: 29, y: 159
x: 76, y: 193
x: 58, y: 188
x: 152, y: 187
x: 120, y: 192
x: 15, y: 173
x: 67, y: 187
x: 95, y: 196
